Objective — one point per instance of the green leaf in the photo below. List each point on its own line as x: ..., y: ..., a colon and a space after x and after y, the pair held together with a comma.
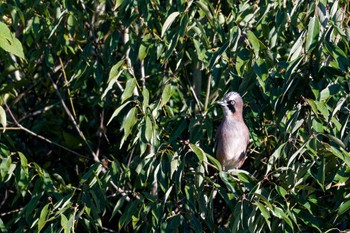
x: 64, y: 223
x: 3, y: 120
x: 167, y: 92
x: 173, y: 40
x: 281, y: 191
x: 322, y: 107
x: 203, y: 5
x: 338, y: 106
x: 261, y: 71
x: 129, y: 121
x: 312, y: 34
x: 214, y: 161
x: 274, y: 157
x: 254, y: 41
x: 297, y: 48
x: 341, y: 60
x: 43, y: 217
x: 131, y: 209
x: 198, y: 151
x: 265, y: 213
x: 144, y: 47
x: 313, y: 106
x: 129, y: 89
x: 200, y: 50
x: 300, y: 151
x: 117, y: 206
x: 117, y: 111
x: 329, y: 91
x: 201, y: 155
x: 343, y: 155
x: 10, y: 43
x: 115, y: 70
x: 149, y: 129
x: 145, y: 100
x: 278, y: 212
x: 338, y: 141
x: 344, y: 207
x: 114, y: 74
x: 169, y: 21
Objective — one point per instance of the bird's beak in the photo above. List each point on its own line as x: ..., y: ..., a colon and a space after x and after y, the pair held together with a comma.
x: 222, y: 103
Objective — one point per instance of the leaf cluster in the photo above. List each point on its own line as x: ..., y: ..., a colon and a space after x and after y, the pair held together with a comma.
x: 109, y: 116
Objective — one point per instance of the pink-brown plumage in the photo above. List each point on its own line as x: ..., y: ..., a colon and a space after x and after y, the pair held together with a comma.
x: 232, y: 136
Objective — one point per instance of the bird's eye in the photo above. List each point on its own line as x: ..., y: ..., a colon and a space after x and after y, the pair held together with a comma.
x: 231, y: 102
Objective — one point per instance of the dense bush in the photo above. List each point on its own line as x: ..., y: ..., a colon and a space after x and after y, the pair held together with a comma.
x: 109, y: 116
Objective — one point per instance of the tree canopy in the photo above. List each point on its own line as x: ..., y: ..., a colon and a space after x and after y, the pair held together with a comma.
x: 108, y: 113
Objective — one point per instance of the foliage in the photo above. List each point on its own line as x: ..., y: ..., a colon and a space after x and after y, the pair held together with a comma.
x: 110, y: 115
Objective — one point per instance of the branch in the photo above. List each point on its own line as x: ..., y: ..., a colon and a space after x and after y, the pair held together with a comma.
x: 68, y: 90
x: 39, y: 136
x: 96, y: 159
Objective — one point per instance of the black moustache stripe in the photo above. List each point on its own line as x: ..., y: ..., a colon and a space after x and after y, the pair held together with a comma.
x: 232, y: 108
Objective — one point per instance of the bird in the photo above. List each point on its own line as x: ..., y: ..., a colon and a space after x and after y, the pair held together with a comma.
x: 232, y: 136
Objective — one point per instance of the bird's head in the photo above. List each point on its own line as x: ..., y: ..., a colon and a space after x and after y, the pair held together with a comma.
x: 231, y: 103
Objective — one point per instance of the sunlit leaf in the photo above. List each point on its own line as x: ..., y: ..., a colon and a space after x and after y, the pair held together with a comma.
x: 265, y: 213
x: 117, y: 111
x: 169, y: 21
x: 329, y: 91
x: 199, y: 152
x: 3, y: 120
x: 145, y: 100
x: 43, y: 217
x: 9, y: 42
x: 131, y: 209
x: 114, y: 74
x: 343, y: 155
x: 129, y: 121
x: 262, y: 73
x: 203, y: 5
x: 254, y: 41
x: 144, y: 47
x: 167, y: 92
x: 149, y: 129
x: 344, y: 207
x: 129, y: 89
x: 312, y: 34
x: 273, y: 158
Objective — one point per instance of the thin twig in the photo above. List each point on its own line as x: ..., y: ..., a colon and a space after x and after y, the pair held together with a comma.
x: 39, y: 136
x: 206, y: 103
x: 124, y: 193
x: 68, y: 90
x: 96, y: 159
x: 100, y: 133
x: 143, y: 76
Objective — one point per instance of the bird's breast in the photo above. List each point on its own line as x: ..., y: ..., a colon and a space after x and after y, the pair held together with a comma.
x: 232, y: 141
